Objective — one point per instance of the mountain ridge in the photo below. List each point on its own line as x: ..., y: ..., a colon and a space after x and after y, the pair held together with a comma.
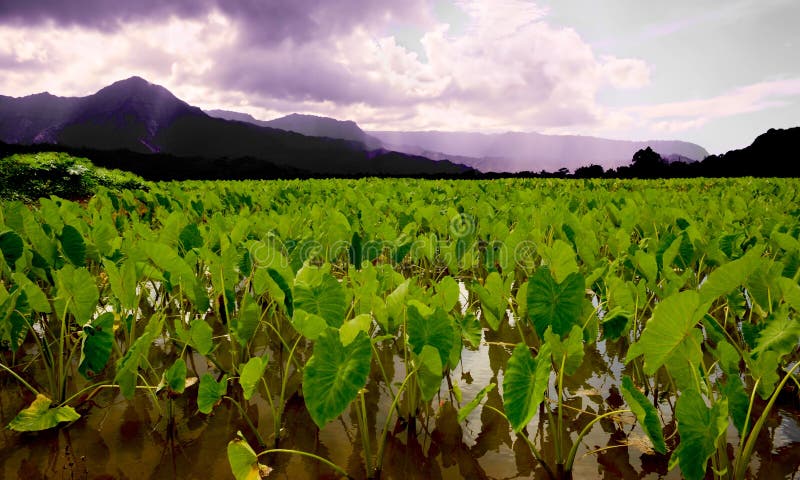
x: 141, y: 117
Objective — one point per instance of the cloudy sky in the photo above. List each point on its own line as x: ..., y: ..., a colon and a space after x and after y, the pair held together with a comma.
x: 716, y: 73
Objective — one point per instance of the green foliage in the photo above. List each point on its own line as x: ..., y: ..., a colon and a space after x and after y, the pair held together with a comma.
x: 39, y: 416
x: 699, y: 428
x: 243, y: 460
x: 97, y: 342
x: 645, y: 413
x: 524, y: 384
x: 334, y: 374
x: 210, y: 392
x: 684, y: 275
x: 251, y: 375
x: 464, y: 411
x: 669, y: 332
x: 31, y: 176
x: 555, y: 305
x: 429, y: 373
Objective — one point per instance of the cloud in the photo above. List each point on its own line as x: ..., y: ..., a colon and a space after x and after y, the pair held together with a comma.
x: 692, y: 114
x: 507, y: 69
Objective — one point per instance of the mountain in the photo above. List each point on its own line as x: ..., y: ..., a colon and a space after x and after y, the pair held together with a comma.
x: 310, y: 125
x: 773, y: 153
x: 516, y: 151
x: 141, y: 117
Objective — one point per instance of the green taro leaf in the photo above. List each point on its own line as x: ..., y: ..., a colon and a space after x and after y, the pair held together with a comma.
x: 646, y: 263
x: 128, y: 365
x: 781, y: 335
x: 199, y: 336
x: 210, y: 392
x: 470, y: 328
x: 350, y: 329
x: 246, y: 322
x: 560, y: 260
x: 288, y: 300
x: 763, y: 368
x: 553, y: 304
x: 190, y: 237
x: 252, y: 372
x: 396, y: 304
x: 570, y: 350
x: 738, y: 402
x: 646, y: 414
x: 699, y: 428
x: 36, y: 297
x: 435, y: 330
x: 308, y: 324
x: 123, y: 281
x: 39, y: 416
x: 728, y: 358
x: 97, y: 342
x: 73, y: 245
x: 464, y: 411
x: 616, y: 323
x: 447, y: 293
x: 12, y: 247
x: 729, y: 276
x: 669, y: 331
x: 334, y: 375
x: 78, y: 291
x: 429, y: 373
x: 524, y: 384
x: 180, y: 273
x: 325, y: 299
x: 13, y: 326
x: 175, y: 376
x: 243, y: 460
x: 493, y: 299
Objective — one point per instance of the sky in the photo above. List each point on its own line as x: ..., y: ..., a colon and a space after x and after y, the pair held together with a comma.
x: 711, y: 72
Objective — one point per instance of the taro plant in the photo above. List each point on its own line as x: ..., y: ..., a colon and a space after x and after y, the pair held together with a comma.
x: 555, y: 311
x: 675, y: 337
x: 58, y: 311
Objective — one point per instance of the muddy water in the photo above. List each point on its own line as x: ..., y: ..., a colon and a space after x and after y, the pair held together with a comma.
x: 139, y: 439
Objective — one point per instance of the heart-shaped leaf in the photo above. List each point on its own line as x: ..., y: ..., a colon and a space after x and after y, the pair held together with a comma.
x: 557, y: 305
x: 334, y: 374
x: 252, y: 372
x: 435, y: 329
x: 646, y: 414
x: 210, y: 392
x: 39, y: 416
x: 429, y: 372
x: 325, y: 298
x: 525, y: 381
x: 243, y: 460
x: 97, y: 341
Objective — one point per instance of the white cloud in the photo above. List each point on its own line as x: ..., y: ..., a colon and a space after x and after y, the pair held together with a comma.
x: 692, y: 114
x: 73, y: 61
x: 509, y: 69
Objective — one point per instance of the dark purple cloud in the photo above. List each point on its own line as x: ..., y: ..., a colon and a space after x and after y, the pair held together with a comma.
x: 100, y: 14
x: 262, y: 21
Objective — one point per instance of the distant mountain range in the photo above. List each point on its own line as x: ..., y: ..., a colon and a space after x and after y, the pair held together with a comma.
x: 165, y: 137
x: 310, y: 125
x: 140, y: 117
x: 516, y: 151
x: 504, y: 152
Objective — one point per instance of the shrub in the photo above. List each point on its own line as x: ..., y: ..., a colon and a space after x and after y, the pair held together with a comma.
x: 31, y: 176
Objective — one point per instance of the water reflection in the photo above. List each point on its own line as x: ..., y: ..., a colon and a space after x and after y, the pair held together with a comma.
x: 135, y: 439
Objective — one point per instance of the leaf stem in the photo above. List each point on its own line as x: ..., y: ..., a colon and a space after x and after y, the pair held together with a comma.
x: 327, y: 462
x: 574, y: 450
x: 23, y: 382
